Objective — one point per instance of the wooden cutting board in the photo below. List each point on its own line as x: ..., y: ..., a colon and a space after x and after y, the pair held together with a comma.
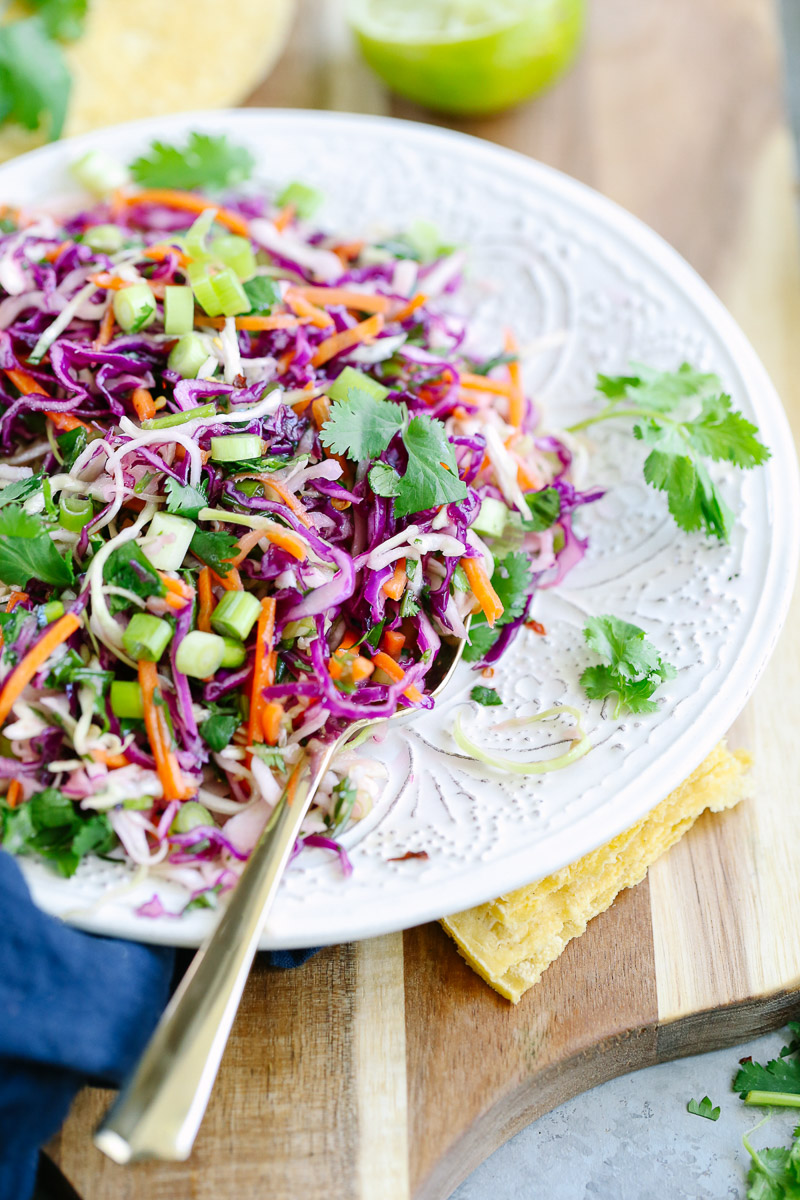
x: 388, y: 1070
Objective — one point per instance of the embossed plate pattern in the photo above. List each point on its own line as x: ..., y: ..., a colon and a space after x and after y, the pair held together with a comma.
x: 560, y: 262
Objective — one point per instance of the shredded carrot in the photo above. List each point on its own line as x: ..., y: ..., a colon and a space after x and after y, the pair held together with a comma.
x: 187, y: 202
x: 27, y: 667
x: 174, y: 601
x: 321, y: 410
x: 335, y: 668
x: 285, y: 361
x: 65, y: 422
x: 482, y: 383
x: 14, y: 599
x: 396, y: 672
x: 205, y: 600
x: 256, y: 324
x: 301, y: 307
x: 231, y: 582
x: 285, y: 496
x: 275, y: 533
x: 162, y: 251
x: 338, y: 342
x: 395, y: 586
x: 110, y: 760
x: 284, y: 217
x: 14, y: 793
x: 291, y: 786
x: 362, y: 301
x: 173, y: 784
x: 271, y: 722
x: 362, y: 668
x: 110, y: 283
x: 26, y: 384
x: 406, y: 310
x: 347, y: 251
x: 106, y: 329
x: 142, y: 401
x: 516, y: 396
x: 52, y: 254
x: 481, y: 585
x: 392, y: 642
x: 263, y: 670
x: 348, y: 641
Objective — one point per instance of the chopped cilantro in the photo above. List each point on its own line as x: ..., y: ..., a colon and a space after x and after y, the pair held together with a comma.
x: 50, y: 825
x: 545, y: 509
x: 28, y: 552
x: 214, y: 550
x: 262, y: 294
x: 512, y: 582
x: 217, y: 730
x: 20, y: 490
x: 205, y: 161
x: 635, y: 669
x: 186, y: 500
x: 485, y: 695
x: 703, y: 1109
x: 127, y: 567
x: 71, y: 445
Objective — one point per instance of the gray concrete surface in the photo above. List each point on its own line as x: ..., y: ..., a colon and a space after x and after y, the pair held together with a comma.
x: 632, y: 1139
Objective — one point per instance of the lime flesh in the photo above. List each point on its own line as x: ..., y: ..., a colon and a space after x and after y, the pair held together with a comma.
x: 467, y: 56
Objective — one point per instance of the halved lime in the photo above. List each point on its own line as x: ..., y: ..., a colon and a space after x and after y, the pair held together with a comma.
x: 467, y: 56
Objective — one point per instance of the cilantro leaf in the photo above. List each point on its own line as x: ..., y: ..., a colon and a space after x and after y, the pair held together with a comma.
x: 773, y: 1174
x: 127, y: 567
x: 214, y: 549
x: 361, y: 427
x: 71, y: 445
x: 28, y: 552
x: 21, y: 489
x: 262, y: 294
x: 485, y: 695
x: 703, y: 1109
x: 71, y: 668
x: 676, y: 463
x: 217, y: 730
x: 63, y: 19
x: 186, y: 500
x: 34, y: 79
x: 779, y: 1075
x: 481, y: 639
x: 634, y: 671
x: 384, y: 480
x: 50, y: 825
x: 205, y: 161
x: 431, y: 477
x: 545, y: 509
x: 409, y: 605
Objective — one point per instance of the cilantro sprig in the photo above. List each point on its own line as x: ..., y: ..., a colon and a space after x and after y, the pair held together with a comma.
x: 362, y: 427
x: 634, y: 669
x: 682, y: 441
x: 512, y: 582
x: 205, y: 161
x: 703, y: 1108
x: 27, y: 550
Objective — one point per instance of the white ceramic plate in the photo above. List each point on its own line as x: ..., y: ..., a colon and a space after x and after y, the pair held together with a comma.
x: 550, y: 257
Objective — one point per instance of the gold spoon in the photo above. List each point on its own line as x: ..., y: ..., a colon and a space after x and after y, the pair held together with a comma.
x: 160, y: 1108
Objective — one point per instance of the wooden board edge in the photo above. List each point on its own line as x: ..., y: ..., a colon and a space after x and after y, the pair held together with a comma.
x: 698, y: 1033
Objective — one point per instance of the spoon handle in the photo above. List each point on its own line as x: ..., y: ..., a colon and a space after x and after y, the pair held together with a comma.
x: 159, y: 1109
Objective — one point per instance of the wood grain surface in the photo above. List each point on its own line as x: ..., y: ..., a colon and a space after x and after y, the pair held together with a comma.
x: 388, y: 1069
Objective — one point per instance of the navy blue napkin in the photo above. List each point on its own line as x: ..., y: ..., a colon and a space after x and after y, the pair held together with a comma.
x: 74, y: 1008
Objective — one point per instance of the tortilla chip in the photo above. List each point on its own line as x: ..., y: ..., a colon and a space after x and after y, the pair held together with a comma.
x: 139, y: 58
x: 512, y: 940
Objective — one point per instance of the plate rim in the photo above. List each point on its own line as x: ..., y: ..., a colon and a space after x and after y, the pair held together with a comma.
x: 784, y: 521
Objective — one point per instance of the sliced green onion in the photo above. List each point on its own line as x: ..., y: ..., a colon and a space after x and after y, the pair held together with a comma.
x: 99, y: 173
x: 195, y: 238
x: 187, y: 356
x: 305, y: 200
x: 178, y: 310
x: 232, y: 297
x: 203, y: 288
x: 491, y: 520
x: 134, y: 307
x: 105, y: 239
x: 191, y: 815
x: 351, y: 378
x: 146, y: 637
x: 580, y: 746
x: 199, y: 412
x: 168, y: 540
x: 236, y: 614
x: 200, y: 654
x: 126, y: 700
x: 236, y: 447
x: 305, y: 627
x: 74, y: 512
x: 52, y: 611
x: 236, y: 253
x: 233, y: 654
